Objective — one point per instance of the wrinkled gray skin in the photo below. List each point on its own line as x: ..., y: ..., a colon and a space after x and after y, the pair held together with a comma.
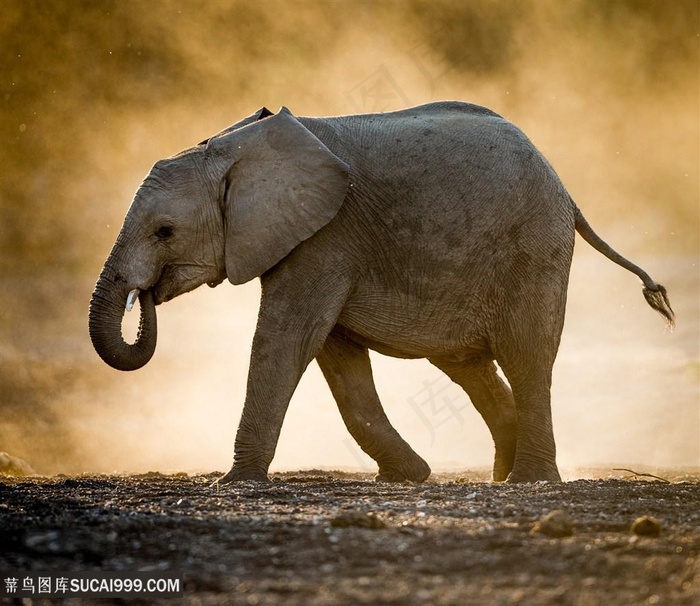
x: 435, y: 232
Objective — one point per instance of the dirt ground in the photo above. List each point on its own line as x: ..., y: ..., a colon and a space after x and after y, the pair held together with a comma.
x: 325, y: 538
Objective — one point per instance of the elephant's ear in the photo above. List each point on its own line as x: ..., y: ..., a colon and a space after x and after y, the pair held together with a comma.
x: 261, y: 114
x: 284, y: 186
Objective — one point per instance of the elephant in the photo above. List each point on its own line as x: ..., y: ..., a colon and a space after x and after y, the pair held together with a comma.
x: 436, y: 232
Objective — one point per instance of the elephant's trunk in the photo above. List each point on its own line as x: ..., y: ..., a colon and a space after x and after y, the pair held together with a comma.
x: 107, y: 308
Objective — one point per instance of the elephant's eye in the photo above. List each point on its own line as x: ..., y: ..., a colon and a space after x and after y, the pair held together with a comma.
x: 164, y: 232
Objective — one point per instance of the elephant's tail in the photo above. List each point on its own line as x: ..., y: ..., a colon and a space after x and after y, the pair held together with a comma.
x: 654, y: 293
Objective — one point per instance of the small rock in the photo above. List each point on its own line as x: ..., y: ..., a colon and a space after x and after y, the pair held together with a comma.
x: 555, y: 524
x: 359, y: 519
x: 646, y: 526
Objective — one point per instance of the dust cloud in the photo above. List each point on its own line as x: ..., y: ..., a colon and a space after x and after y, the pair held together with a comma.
x: 94, y: 92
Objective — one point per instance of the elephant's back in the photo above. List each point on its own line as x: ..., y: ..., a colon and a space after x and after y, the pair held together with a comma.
x: 389, y: 143
x: 439, y: 151
x: 456, y: 169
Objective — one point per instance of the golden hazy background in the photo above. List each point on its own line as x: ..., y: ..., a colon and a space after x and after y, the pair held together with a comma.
x: 93, y: 92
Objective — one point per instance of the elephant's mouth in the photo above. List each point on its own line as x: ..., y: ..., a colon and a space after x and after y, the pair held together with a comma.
x: 163, y: 294
x: 159, y: 296
x: 168, y: 286
x: 177, y: 280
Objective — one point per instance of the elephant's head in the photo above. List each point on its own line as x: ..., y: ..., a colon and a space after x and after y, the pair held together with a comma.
x: 233, y: 206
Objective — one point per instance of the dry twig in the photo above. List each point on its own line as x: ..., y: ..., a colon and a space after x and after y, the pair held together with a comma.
x: 642, y: 475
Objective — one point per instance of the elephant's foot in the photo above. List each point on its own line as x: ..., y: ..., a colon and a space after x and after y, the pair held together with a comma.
x: 503, y: 463
x: 413, y: 469
x: 533, y: 473
x: 240, y: 475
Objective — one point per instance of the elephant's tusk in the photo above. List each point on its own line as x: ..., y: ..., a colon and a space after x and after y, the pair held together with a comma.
x: 131, y: 299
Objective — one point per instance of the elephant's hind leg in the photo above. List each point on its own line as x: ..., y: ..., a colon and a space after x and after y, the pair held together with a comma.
x: 529, y: 372
x: 525, y: 347
x: 346, y: 367
x: 494, y: 401
x: 535, y: 457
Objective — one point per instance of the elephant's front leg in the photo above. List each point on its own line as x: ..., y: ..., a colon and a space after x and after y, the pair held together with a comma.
x: 275, y: 370
x: 291, y: 330
x: 346, y: 367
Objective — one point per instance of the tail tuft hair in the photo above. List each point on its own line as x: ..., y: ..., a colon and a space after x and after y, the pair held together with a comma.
x: 658, y: 300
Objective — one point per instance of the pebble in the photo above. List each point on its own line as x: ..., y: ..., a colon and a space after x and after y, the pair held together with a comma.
x: 555, y: 524
x: 646, y: 526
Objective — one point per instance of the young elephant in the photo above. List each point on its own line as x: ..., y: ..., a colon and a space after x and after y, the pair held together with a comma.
x: 435, y: 232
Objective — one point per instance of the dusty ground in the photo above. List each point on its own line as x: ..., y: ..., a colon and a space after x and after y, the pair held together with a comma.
x: 335, y: 538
